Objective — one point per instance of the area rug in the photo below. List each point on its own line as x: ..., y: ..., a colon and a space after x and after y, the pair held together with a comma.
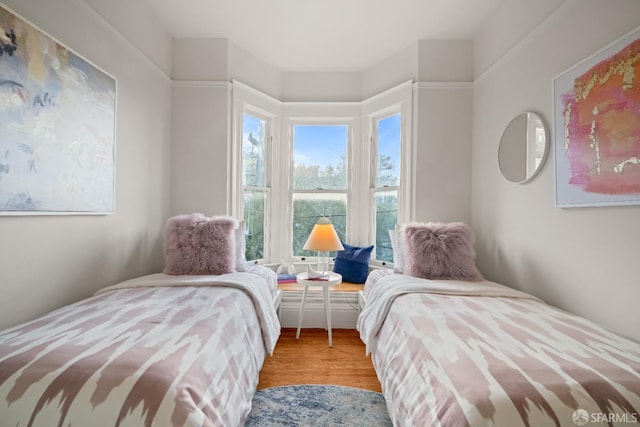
x: 317, y: 405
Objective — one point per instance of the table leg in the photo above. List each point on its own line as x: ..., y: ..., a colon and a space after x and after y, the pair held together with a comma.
x: 327, y: 309
x: 304, y: 297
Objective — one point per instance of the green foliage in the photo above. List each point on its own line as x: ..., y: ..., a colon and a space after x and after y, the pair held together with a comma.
x: 312, y: 177
x: 253, y: 159
x: 306, y: 213
x: 386, y: 219
x: 308, y: 208
x: 386, y: 175
x: 254, y: 224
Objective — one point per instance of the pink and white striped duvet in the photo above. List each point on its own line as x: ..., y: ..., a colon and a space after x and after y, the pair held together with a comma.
x: 154, y: 351
x: 452, y: 353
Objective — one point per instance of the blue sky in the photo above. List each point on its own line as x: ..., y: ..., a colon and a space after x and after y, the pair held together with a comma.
x: 389, y: 136
x: 320, y: 144
x: 324, y: 144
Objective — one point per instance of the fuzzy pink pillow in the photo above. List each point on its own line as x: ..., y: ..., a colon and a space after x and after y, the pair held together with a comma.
x: 196, y: 244
x: 439, y: 250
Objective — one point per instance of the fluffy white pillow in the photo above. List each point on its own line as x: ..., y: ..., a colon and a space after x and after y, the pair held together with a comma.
x: 241, y: 247
x: 395, y: 236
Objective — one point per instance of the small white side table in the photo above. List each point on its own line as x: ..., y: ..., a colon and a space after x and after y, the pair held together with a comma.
x: 334, y: 279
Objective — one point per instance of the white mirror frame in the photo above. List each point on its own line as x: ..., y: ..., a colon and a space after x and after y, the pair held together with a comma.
x: 524, y: 148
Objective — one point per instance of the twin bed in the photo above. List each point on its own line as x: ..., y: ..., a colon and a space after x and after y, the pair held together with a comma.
x: 476, y: 353
x: 183, y: 348
x: 157, y: 350
x: 453, y: 349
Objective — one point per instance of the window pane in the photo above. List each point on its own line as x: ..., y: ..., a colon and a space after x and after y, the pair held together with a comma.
x: 386, y: 219
x: 254, y: 224
x: 253, y: 149
x: 388, y: 162
x: 320, y: 157
x: 307, y: 208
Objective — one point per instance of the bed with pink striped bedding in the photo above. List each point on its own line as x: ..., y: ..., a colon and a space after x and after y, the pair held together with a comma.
x: 451, y: 353
x: 153, y: 351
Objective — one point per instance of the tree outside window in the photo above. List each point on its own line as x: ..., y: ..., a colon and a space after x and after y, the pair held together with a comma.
x: 387, y: 140
x: 319, y: 180
x: 254, y: 184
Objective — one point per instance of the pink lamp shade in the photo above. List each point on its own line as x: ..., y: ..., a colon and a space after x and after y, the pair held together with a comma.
x: 323, y: 237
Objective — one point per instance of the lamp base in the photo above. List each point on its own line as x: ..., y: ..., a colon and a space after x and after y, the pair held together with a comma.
x: 323, y: 262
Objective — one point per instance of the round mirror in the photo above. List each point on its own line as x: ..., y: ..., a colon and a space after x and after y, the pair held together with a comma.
x: 523, y: 148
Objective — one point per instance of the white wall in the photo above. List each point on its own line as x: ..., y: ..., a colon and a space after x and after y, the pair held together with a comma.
x: 583, y: 260
x: 399, y: 67
x: 201, y: 119
x: 200, y: 147
x: 49, y: 261
x: 445, y: 60
x: 318, y: 87
x: 507, y: 27
x: 199, y: 60
x: 443, y: 123
x: 253, y: 71
x: 133, y: 20
x: 443, y: 119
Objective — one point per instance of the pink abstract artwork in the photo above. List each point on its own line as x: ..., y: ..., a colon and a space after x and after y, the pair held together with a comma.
x: 598, y: 129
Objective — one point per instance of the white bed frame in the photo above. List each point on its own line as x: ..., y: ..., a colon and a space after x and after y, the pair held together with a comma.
x: 276, y: 302
x: 361, y: 301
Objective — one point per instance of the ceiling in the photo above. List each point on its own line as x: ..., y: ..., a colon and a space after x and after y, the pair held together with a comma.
x: 323, y: 35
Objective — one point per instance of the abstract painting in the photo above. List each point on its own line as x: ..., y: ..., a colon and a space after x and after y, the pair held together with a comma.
x: 57, y: 126
x: 597, y: 128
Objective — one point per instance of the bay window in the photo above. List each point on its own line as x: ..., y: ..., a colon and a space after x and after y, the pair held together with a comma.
x: 297, y: 162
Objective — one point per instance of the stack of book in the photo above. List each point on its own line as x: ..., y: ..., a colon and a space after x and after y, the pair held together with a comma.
x: 286, y: 278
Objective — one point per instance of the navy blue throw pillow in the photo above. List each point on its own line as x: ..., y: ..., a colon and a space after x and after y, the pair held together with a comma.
x: 353, y: 263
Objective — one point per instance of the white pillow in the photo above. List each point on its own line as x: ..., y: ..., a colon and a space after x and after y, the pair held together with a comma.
x: 397, y: 248
x: 241, y: 247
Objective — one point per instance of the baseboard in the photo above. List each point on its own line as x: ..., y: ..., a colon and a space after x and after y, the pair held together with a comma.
x: 344, y: 310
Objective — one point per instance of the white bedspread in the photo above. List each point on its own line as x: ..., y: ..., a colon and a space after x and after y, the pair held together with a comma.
x: 253, y: 285
x: 390, y: 287
x: 468, y: 354
x: 158, y: 351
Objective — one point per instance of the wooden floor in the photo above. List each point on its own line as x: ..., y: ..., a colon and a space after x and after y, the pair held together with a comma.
x: 310, y: 360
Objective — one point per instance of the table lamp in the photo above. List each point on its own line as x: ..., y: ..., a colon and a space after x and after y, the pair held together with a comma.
x: 324, y: 239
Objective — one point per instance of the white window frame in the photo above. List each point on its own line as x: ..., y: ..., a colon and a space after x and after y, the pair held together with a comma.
x: 282, y: 116
x: 393, y: 101
x: 247, y: 100
x: 319, y: 113
x: 374, y: 189
x: 347, y: 191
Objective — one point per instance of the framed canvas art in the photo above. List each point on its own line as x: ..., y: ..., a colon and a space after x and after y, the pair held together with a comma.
x: 597, y: 128
x: 57, y: 126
